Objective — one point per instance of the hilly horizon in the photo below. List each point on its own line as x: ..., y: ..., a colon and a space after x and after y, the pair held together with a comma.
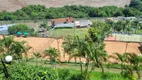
x: 13, y: 5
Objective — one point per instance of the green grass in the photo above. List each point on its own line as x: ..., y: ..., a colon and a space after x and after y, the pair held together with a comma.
x: 81, y: 32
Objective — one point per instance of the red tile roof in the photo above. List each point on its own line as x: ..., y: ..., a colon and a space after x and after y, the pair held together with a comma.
x: 62, y: 20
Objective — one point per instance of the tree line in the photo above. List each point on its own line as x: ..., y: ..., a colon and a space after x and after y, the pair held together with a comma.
x: 34, y: 12
x: 125, y: 26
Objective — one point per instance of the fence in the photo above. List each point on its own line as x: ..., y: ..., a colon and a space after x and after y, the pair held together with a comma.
x: 128, y: 37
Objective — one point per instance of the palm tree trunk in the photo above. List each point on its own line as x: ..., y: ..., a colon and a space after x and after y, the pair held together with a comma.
x: 36, y: 61
x: 55, y: 65
x: 70, y: 57
x: 87, y: 66
x: 80, y: 65
x: 75, y: 60
x: 64, y: 55
x: 91, y: 70
x: 102, y: 69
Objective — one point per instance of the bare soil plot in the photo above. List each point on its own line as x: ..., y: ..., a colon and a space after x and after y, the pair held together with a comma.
x: 120, y: 47
x: 13, y: 5
x: 40, y: 44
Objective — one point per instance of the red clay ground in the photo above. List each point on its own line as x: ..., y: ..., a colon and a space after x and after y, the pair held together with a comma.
x: 40, y: 44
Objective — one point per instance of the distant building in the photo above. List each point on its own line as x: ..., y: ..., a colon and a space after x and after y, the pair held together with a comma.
x: 112, y: 19
x: 55, y: 22
x: 115, y: 19
x: 130, y: 18
x: 4, y: 28
x: 83, y: 23
x: 67, y: 25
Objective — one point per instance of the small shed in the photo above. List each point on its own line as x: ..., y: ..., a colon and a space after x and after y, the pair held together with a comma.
x: 19, y: 34
x: 26, y: 34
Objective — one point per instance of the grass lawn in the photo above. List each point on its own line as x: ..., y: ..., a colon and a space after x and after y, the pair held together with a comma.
x: 81, y: 32
x: 20, y: 71
x: 72, y: 66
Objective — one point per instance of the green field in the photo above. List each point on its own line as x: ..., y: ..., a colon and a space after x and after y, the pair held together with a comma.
x: 81, y: 32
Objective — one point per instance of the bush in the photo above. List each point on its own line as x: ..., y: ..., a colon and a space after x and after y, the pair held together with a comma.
x: 18, y: 28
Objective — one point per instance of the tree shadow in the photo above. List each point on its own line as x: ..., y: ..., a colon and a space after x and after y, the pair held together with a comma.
x: 140, y: 49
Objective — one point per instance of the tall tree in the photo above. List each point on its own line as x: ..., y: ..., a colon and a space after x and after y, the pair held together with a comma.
x: 121, y: 58
x: 96, y: 36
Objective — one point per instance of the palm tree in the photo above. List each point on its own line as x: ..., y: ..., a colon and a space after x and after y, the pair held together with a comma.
x: 135, y: 62
x: 37, y: 55
x: 1, y: 48
x: 118, y: 26
x: 130, y: 64
x: 53, y: 55
x: 128, y: 26
x: 26, y: 49
x: 121, y: 58
x: 8, y: 41
x: 14, y: 48
x: 136, y: 25
x: 69, y: 46
x: 99, y: 56
x: 90, y: 52
x: 17, y: 48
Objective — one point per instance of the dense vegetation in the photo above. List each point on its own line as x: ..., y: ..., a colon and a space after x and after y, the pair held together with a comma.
x: 34, y: 12
x: 20, y: 28
x: 24, y: 72
x: 91, y: 49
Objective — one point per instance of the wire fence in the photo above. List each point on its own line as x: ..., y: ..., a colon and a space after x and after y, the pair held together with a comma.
x: 128, y: 37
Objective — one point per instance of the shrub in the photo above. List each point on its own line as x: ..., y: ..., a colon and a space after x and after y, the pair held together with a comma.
x: 20, y: 28
x: 21, y: 71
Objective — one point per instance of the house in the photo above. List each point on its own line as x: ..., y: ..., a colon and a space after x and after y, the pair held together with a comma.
x: 114, y: 19
x: 67, y: 25
x: 131, y: 18
x: 55, y: 22
x: 83, y: 23
x: 4, y: 28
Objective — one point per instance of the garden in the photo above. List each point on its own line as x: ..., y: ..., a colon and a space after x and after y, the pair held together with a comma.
x: 85, y: 46
x: 91, y: 60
